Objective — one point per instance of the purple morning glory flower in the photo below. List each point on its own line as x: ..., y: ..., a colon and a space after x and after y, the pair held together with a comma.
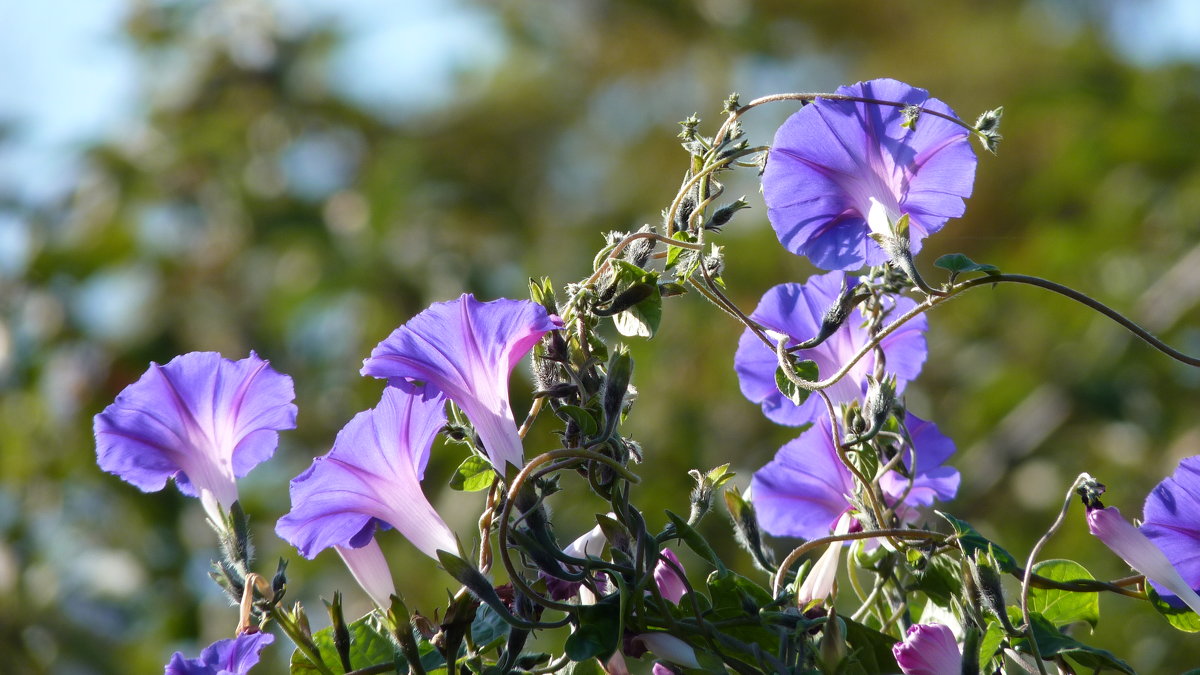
x: 1167, y: 546
x: 466, y: 350
x: 235, y: 656
x: 371, y: 477
x: 796, y: 310
x: 201, y: 419
x: 1171, y: 519
x: 834, y: 162
x: 805, y: 490
x: 928, y: 649
x: 667, y: 578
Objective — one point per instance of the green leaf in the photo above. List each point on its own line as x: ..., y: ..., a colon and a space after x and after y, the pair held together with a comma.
x: 1051, y: 642
x: 694, y: 541
x: 1064, y: 607
x: 673, y: 252
x: 871, y: 649
x: 970, y: 540
x: 729, y: 590
x: 598, y: 632
x: 489, y: 629
x: 1181, y: 618
x: 369, y: 645
x: 989, y: 644
x: 805, y: 370
x: 642, y: 319
x: 939, y: 577
x: 474, y: 474
x: 958, y: 263
x: 587, y: 423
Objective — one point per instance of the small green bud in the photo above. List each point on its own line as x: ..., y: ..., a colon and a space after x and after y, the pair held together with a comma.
x: 910, y: 114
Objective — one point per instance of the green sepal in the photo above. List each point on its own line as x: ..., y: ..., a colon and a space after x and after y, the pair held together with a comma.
x: 474, y: 474
x: 1062, y: 607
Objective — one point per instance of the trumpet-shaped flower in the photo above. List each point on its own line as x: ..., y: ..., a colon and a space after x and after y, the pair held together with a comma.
x: 806, y: 489
x: 796, y: 311
x: 201, y: 419
x: 1167, y: 547
x: 1171, y: 518
x: 371, y: 477
x: 235, y: 656
x: 928, y: 649
x: 466, y: 349
x: 836, y: 166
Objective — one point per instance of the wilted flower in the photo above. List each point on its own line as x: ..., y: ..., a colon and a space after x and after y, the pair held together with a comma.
x: 796, y: 311
x: 832, y: 161
x: 805, y: 489
x: 1167, y: 547
x: 928, y: 649
x: 201, y: 419
x: 371, y: 477
x: 235, y: 656
x: 466, y: 349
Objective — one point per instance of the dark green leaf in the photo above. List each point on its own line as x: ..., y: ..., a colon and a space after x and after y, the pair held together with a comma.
x: 989, y: 644
x: 734, y: 591
x: 694, y: 541
x: 939, y: 577
x: 971, y: 541
x: 587, y: 667
x: 598, y: 632
x: 1052, y: 642
x: 673, y: 252
x: 1180, y: 617
x: 1064, y: 607
x: 958, y: 263
x: 805, y: 370
x: 489, y: 629
x: 587, y: 423
x: 871, y: 649
x: 474, y: 474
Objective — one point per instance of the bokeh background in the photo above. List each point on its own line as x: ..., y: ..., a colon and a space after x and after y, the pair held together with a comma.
x: 299, y: 178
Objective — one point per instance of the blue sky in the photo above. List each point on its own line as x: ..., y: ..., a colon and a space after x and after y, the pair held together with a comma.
x: 71, y: 79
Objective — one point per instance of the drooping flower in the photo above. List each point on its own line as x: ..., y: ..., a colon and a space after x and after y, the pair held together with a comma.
x: 371, y: 477
x: 805, y: 490
x: 234, y: 656
x: 1167, y: 547
x: 928, y: 649
x: 666, y: 577
x: 818, y: 584
x: 201, y: 419
x: 833, y: 162
x: 466, y: 349
x: 796, y: 310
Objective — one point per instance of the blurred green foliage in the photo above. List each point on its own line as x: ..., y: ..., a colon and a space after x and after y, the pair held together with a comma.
x: 254, y: 209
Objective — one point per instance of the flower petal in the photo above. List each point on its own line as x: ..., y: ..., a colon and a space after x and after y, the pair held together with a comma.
x: 928, y: 649
x: 1142, y: 555
x: 466, y: 350
x: 931, y: 480
x: 666, y: 576
x: 832, y: 157
x: 370, y: 569
x: 796, y: 310
x: 803, y: 491
x: 1172, y: 519
x: 234, y: 656
x: 202, y: 419
x: 372, y: 474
